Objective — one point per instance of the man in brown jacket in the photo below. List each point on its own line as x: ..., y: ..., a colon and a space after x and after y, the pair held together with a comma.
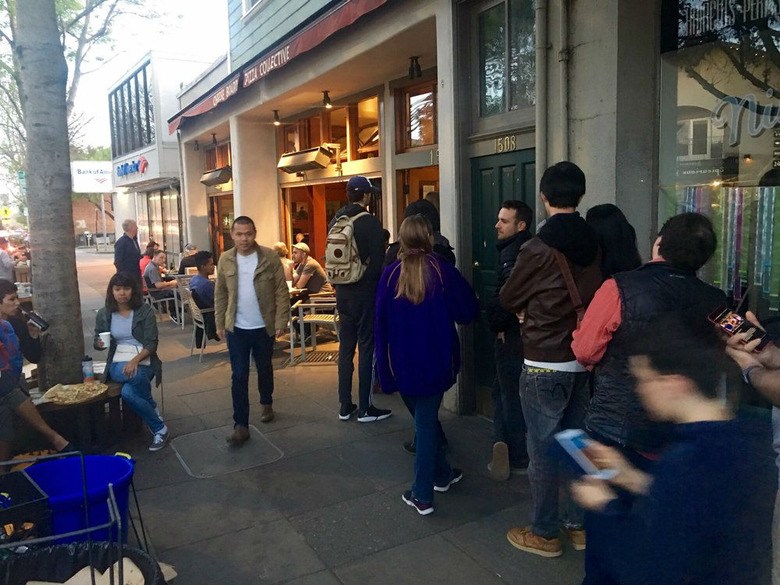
x: 251, y: 303
x: 553, y: 386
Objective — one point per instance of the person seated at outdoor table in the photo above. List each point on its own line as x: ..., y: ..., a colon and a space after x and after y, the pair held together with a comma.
x: 202, y: 289
x: 704, y: 514
x: 132, y: 356
x: 281, y: 249
x: 188, y: 258
x: 158, y: 287
x: 151, y: 248
x: 309, y: 275
x: 13, y: 348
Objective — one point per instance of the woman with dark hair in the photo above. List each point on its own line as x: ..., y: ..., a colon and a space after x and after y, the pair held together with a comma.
x: 617, y: 239
x: 420, y: 298
x: 132, y: 355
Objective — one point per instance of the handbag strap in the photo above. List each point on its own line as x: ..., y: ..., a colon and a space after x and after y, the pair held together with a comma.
x: 574, y: 293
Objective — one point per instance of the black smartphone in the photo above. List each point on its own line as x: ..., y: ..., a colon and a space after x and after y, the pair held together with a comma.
x: 733, y: 323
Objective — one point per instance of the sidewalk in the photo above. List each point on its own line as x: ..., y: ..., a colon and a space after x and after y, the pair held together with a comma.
x: 329, y: 511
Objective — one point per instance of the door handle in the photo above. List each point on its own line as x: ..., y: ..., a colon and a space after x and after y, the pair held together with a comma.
x: 476, y: 264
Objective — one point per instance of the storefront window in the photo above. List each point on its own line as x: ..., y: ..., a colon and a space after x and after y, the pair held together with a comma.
x: 720, y: 138
x: 368, y: 127
x: 506, y: 57
x: 142, y: 218
x: 419, y: 116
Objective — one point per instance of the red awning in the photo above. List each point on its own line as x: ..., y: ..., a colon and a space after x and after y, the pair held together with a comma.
x: 305, y: 40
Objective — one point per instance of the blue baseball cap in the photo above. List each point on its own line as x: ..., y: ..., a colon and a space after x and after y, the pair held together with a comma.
x: 361, y: 184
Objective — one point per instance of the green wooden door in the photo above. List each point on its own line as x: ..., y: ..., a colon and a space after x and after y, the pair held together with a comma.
x: 495, y: 179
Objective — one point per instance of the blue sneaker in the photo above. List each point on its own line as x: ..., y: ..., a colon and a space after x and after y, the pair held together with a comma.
x: 457, y: 475
x: 423, y: 509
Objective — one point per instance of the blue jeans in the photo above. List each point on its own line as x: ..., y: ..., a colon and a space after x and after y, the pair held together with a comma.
x: 430, y: 461
x: 243, y: 343
x: 552, y: 401
x: 137, y: 392
x: 508, y: 420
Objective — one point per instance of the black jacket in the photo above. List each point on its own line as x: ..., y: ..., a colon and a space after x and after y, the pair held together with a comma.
x: 441, y: 246
x: 127, y: 255
x: 31, y: 348
x: 370, y: 242
x: 646, y: 293
x: 499, y: 318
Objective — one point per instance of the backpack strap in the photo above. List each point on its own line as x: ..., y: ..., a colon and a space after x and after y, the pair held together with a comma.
x: 574, y: 293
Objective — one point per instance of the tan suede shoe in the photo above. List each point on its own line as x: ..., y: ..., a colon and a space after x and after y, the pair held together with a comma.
x: 524, y: 539
x: 239, y: 437
x: 267, y: 414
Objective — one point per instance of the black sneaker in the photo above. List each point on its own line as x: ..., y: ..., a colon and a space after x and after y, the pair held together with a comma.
x: 457, y: 475
x: 410, y: 447
x: 372, y: 414
x: 347, y: 410
x: 422, y: 508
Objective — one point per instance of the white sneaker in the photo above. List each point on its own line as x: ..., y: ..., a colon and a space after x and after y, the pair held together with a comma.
x: 159, y: 440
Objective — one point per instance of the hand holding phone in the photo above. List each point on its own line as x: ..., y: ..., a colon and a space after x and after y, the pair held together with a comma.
x: 733, y: 323
x: 577, y: 444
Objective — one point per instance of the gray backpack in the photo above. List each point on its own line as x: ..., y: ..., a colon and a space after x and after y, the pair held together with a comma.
x: 342, y: 257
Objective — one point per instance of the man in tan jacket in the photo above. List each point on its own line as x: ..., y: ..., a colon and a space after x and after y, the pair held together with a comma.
x: 251, y: 304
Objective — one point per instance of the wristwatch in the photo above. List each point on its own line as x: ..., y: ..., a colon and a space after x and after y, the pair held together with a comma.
x: 746, y: 372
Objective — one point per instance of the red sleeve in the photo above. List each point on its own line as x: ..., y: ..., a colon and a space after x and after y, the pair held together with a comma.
x: 599, y: 324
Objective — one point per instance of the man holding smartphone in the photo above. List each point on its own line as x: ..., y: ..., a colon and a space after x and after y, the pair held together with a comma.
x: 762, y: 371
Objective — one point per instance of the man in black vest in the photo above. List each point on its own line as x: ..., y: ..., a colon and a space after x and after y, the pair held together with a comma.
x: 627, y: 305
x: 127, y: 252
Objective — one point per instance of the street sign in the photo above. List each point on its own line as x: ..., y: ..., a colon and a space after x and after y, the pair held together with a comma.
x: 22, y: 177
x: 5, y: 212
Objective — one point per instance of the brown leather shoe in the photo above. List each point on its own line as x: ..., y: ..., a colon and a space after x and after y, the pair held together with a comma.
x: 267, y: 414
x: 239, y: 437
x: 524, y: 539
x: 577, y: 537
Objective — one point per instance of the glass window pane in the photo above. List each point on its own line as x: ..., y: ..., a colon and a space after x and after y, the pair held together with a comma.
x: 700, y: 139
x: 421, y: 105
x: 150, y: 104
x: 492, y: 61
x: 522, y: 54
x: 155, y: 218
x: 368, y: 128
x: 142, y: 214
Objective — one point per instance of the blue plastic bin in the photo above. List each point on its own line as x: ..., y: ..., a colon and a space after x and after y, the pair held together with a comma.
x: 61, y: 480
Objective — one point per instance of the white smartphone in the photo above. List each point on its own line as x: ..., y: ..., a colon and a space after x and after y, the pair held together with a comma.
x: 575, y: 443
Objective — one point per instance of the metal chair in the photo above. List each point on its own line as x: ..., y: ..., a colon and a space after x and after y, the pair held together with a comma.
x: 198, y: 322
x: 183, y: 281
x: 318, y: 309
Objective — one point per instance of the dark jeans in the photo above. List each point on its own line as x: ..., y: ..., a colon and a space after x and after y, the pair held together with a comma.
x: 356, y: 329
x: 508, y: 421
x: 165, y: 294
x: 552, y: 401
x: 430, y: 461
x: 241, y: 343
x: 605, y: 531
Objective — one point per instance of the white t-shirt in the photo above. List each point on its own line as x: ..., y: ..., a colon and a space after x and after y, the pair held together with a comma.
x: 248, y: 314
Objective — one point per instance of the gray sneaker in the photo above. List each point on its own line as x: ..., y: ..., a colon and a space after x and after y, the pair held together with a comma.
x: 159, y: 440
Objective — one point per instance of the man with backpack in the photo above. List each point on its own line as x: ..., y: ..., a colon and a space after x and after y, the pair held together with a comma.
x: 353, y: 261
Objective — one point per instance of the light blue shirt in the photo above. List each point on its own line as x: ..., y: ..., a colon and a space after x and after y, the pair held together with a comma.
x: 122, y: 330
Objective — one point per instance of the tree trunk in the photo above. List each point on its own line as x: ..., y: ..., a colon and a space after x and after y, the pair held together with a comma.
x: 56, y: 295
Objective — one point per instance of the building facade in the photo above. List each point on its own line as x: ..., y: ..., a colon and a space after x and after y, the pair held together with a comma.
x: 664, y: 104
x: 145, y: 157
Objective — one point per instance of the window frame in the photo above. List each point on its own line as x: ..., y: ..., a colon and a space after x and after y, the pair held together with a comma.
x: 131, y: 121
x: 403, y: 116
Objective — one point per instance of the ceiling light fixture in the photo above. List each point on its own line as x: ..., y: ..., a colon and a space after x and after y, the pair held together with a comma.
x: 415, y: 70
x: 213, y: 140
x: 277, y: 122
x: 326, y: 100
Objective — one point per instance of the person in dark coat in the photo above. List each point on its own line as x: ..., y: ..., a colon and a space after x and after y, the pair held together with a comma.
x: 419, y: 300
x: 510, y: 452
x: 441, y: 245
x: 127, y: 252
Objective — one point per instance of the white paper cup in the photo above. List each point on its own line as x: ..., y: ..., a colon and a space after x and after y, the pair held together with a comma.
x: 105, y: 337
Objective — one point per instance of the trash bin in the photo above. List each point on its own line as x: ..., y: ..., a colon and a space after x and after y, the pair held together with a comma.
x: 59, y: 563
x: 61, y: 480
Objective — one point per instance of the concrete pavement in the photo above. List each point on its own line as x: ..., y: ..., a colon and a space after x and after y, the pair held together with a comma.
x: 330, y: 510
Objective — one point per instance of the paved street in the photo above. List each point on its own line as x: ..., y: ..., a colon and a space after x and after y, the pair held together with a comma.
x: 329, y: 511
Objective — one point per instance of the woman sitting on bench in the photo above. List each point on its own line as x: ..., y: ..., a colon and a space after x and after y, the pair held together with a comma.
x: 132, y: 356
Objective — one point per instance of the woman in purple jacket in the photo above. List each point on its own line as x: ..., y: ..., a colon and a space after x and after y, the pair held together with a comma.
x: 419, y: 300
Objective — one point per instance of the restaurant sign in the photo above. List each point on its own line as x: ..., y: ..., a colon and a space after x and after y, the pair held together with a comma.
x: 687, y: 23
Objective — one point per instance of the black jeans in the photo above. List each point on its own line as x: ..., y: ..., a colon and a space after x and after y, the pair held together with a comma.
x: 241, y: 343
x: 356, y: 329
x: 508, y: 419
